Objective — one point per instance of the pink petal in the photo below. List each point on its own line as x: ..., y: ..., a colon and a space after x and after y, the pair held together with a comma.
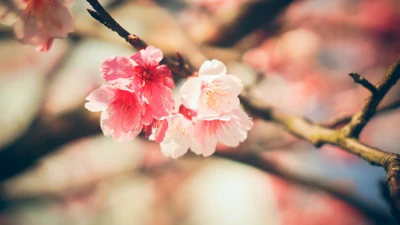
x: 213, y: 67
x: 191, y: 92
x: 148, y: 57
x: 116, y: 68
x: 122, y: 119
x: 109, y: 129
x: 59, y: 21
x: 161, y: 129
x: 43, y: 21
x: 160, y: 99
x: 147, y: 115
x: 28, y: 32
x: 231, y: 133
x: 99, y: 99
x: 204, y: 139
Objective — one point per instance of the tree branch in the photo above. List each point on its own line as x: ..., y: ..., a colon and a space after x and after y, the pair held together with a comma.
x: 360, y: 119
x: 319, y: 135
x: 364, y: 82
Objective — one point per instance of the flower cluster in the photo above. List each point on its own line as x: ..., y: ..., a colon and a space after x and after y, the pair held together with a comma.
x: 43, y: 20
x: 138, y: 97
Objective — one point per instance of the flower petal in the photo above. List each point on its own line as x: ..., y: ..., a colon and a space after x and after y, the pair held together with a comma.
x: 220, y: 96
x: 160, y: 99
x: 205, y: 141
x: 191, y: 92
x: 232, y: 132
x: 99, y: 99
x: 60, y: 21
x: 148, y: 57
x: 116, y: 68
x: 122, y: 119
x: 213, y: 67
x: 178, y: 136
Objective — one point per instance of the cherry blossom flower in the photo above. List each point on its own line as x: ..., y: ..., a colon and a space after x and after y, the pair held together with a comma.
x: 138, y: 97
x: 202, y: 136
x: 42, y: 21
x: 230, y: 130
x: 210, y: 114
x: 121, y: 111
x: 150, y: 81
x: 213, y: 92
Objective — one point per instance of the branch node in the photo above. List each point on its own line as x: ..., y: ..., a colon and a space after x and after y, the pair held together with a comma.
x: 135, y: 41
x: 391, y: 163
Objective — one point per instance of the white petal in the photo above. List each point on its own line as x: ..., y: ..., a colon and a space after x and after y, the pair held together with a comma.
x: 213, y: 67
x: 190, y: 92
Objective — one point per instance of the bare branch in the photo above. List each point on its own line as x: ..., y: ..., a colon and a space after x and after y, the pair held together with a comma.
x: 364, y: 82
x: 319, y: 135
x: 360, y: 119
x: 179, y: 67
x: 101, y: 15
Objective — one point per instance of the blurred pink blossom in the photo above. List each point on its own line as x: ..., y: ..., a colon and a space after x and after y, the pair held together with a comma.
x: 42, y: 21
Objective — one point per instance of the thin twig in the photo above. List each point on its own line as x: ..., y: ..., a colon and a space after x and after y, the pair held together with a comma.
x: 360, y: 119
x: 364, y: 82
x: 101, y: 15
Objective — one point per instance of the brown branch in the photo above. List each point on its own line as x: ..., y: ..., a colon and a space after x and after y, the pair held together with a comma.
x: 102, y: 16
x: 343, y: 120
x: 360, y: 119
x: 319, y: 135
x: 364, y: 82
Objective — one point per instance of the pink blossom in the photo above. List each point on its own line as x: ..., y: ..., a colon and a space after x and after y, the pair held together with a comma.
x: 143, y: 74
x: 121, y: 112
x: 230, y: 130
x: 42, y: 21
x: 156, y: 130
x: 213, y: 92
x: 202, y: 136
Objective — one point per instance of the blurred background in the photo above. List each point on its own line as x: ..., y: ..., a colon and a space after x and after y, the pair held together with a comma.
x: 56, y: 167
